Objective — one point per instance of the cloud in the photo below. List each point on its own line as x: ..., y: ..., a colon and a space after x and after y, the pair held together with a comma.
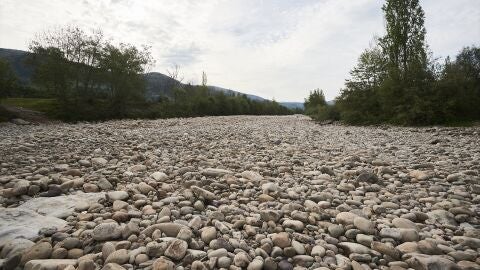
x: 272, y: 48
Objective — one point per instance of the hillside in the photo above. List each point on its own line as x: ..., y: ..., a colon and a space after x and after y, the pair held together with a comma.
x: 17, y: 60
x: 157, y: 84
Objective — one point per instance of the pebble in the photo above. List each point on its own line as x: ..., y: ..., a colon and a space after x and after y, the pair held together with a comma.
x: 239, y: 192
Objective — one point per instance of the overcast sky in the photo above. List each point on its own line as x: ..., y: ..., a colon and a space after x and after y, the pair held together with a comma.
x: 278, y: 49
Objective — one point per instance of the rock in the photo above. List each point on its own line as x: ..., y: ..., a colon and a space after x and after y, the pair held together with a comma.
x: 107, y: 231
x: 285, y: 265
x: 442, y: 217
x: 41, y: 250
x: 14, y: 246
x: 403, y: 223
x: 268, y: 188
x: 256, y: 264
x: 53, y: 191
x: 104, y: 184
x: 170, y: 229
x: 117, y: 195
x: 364, y: 225
x: 270, y: 215
x: 50, y: 264
x: 366, y: 176
x: 252, y: 176
x: 145, y: 188
x: 241, y: 260
x: 203, y: 194
x: 137, y: 168
x: 408, y: 247
x: 345, y: 218
x: 420, y: 175
x: 86, y: 264
x: 428, y: 247
x: 281, y: 240
x: 466, y: 265
x: 113, y: 266
x: 294, y: 225
x: 176, y: 249
x: 426, y: 262
x: 386, y: 249
x: 303, y: 260
x: 163, y: 264
x: 354, y: 248
x: 296, y: 195
x: 224, y: 262
x: 155, y: 249
x: 118, y: 256
x: 215, y: 172
x: 217, y: 253
x: 208, y: 234
x: 336, y: 230
x: 318, y: 251
x: 159, y: 176
x: 99, y: 162
x: 467, y: 241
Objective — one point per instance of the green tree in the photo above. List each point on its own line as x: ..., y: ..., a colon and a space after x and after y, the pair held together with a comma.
x: 8, y: 80
x: 404, y: 91
x: 358, y: 101
x: 317, y: 107
x: 91, y: 78
x: 123, y: 67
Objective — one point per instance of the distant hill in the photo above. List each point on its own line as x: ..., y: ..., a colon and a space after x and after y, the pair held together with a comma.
x: 293, y: 105
x: 157, y: 84
x: 17, y: 60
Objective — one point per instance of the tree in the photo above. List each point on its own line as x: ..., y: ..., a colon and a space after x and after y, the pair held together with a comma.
x: 404, y: 42
x: 317, y: 107
x: 90, y: 77
x: 8, y: 80
x: 405, y: 89
x: 204, y: 78
x: 316, y: 98
x: 123, y: 67
x: 358, y: 101
x: 174, y: 74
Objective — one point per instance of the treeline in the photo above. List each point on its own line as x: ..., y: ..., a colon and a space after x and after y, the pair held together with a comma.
x: 92, y: 78
x: 189, y: 101
x: 397, y: 81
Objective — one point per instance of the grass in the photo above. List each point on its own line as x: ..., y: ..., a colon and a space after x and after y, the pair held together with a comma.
x: 44, y: 105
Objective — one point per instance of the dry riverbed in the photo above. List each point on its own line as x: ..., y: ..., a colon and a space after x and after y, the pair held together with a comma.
x: 273, y: 192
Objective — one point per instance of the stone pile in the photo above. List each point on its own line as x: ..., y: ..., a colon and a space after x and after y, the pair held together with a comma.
x: 238, y: 193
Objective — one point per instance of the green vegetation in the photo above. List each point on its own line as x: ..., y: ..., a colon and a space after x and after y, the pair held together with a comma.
x: 396, y: 81
x: 199, y: 101
x: 36, y: 104
x: 316, y: 107
x: 83, y: 76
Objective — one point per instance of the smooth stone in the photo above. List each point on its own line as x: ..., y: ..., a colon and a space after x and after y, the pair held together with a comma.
x: 106, y: 231
x: 176, y: 249
x: 364, y: 225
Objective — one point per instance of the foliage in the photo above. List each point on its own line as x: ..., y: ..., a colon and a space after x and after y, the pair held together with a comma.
x: 316, y: 107
x: 193, y: 101
x: 395, y: 81
x: 8, y: 80
x: 90, y: 77
x: 93, y: 79
x: 36, y: 104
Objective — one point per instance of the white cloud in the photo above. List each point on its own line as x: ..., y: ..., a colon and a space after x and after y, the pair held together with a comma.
x: 275, y: 48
